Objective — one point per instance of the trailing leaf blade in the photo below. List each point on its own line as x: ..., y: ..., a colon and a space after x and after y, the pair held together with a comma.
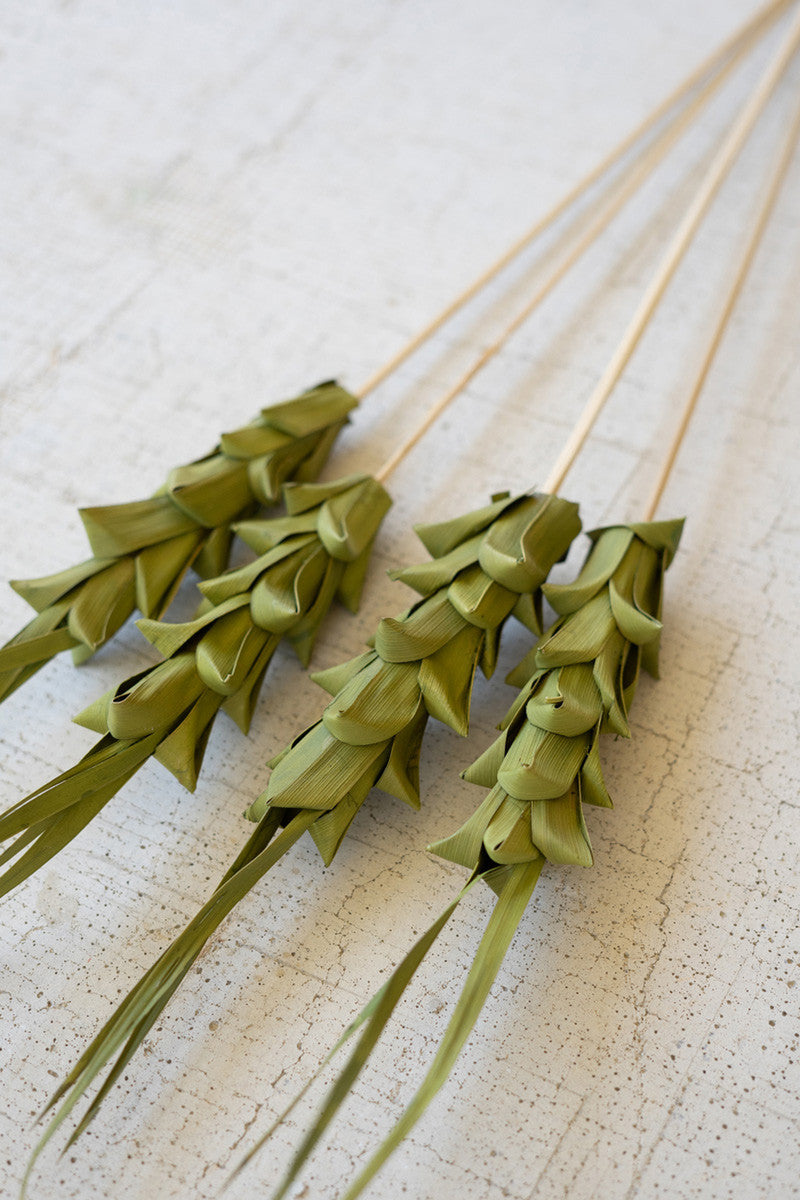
x: 541, y: 770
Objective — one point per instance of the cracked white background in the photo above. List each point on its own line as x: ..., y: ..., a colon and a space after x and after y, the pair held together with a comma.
x: 207, y: 207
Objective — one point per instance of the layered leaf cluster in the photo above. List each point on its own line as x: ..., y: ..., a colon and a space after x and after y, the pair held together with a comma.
x: 579, y: 682
x: 142, y: 550
x: 307, y: 559
x: 487, y: 565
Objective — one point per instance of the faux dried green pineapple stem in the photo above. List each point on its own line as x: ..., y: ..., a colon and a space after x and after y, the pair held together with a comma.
x: 342, y: 747
x: 394, y: 768
x: 317, y: 553
x: 487, y: 565
x: 142, y: 550
x: 541, y: 770
x: 46, y: 821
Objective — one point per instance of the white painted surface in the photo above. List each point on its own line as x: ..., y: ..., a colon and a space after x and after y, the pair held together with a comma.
x: 207, y: 207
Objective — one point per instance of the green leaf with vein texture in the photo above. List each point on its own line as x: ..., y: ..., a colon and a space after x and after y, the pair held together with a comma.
x: 540, y: 771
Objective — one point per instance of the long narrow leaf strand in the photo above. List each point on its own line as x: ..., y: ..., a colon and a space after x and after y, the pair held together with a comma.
x: 142, y: 550
x: 307, y: 559
x: 513, y: 896
x: 488, y: 564
x: 374, y: 1017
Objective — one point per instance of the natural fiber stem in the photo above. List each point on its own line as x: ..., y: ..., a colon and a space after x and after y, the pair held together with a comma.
x: 715, y: 176
x: 763, y: 215
x: 649, y: 161
x: 761, y: 20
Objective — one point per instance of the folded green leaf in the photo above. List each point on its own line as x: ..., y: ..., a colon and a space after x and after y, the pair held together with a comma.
x: 584, y: 676
x: 415, y: 654
x: 143, y: 549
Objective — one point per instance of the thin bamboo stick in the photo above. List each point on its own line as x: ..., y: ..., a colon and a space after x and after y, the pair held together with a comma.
x: 717, y: 172
x: 650, y: 160
x: 765, y: 15
x: 771, y: 193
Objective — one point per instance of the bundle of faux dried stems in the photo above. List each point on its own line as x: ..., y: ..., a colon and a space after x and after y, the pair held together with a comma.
x: 315, y: 553
x: 486, y: 566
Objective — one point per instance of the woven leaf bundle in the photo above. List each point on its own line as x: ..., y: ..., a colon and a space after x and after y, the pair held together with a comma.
x: 487, y: 565
x: 541, y: 770
x: 316, y: 553
x: 143, y: 549
x: 546, y: 764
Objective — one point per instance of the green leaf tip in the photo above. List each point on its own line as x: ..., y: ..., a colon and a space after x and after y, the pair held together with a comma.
x: 144, y: 549
x: 247, y: 466
x: 216, y: 661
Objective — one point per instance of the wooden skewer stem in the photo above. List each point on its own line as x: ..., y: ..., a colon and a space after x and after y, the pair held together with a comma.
x: 765, y: 15
x: 649, y: 161
x: 763, y: 215
x: 721, y: 165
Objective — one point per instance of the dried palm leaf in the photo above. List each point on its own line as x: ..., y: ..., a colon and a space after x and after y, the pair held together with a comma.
x: 541, y: 771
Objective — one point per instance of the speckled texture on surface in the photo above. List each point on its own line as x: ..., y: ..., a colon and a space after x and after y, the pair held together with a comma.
x: 207, y: 207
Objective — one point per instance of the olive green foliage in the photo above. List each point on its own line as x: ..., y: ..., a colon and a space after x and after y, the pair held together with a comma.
x: 142, y: 550
x: 217, y: 661
x: 487, y: 565
x: 578, y: 682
